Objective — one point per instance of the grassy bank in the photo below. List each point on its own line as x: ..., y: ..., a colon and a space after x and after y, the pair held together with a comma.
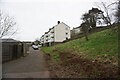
x: 96, y: 58
x: 101, y: 45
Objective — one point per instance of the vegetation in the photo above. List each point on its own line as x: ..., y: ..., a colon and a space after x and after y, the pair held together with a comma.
x: 94, y: 55
x: 117, y: 15
x: 101, y: 44
x: 96, y: 58
x: 101, y: 15
x: 90, y: 20
x: 7, y: 25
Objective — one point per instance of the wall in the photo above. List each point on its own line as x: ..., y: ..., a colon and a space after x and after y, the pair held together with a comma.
x: 45, y: 38
x: 60, y: 32
x: 11, y: 51
x: 0, y: 59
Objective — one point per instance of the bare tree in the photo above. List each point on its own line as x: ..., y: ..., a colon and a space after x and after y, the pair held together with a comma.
x: 37, y: 41
x: 6, y: 25
x: 107, y: 16
x: 117, y: 14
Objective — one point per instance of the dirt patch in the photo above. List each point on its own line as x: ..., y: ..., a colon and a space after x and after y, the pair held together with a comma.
x: 58, y: 70
x: 55, y: 49
x: 76, y: 66
x: 93, y: 69
x: 47, y: 56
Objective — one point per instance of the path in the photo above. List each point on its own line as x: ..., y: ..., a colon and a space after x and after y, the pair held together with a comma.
x: 31, y: 66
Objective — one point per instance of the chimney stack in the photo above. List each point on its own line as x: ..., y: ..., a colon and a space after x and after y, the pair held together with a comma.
x: 58, y: 22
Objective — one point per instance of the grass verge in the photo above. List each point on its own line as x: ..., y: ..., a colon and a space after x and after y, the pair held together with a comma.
x: 97, y: 57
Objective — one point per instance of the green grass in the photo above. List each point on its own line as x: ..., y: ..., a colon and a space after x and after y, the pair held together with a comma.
x: 100, y: 43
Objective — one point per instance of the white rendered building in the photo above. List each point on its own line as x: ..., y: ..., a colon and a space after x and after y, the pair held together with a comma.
x: 56, y: 34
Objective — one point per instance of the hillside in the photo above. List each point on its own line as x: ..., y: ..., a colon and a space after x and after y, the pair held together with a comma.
x: 101, y: 50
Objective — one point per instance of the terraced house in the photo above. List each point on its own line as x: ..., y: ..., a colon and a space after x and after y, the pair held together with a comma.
x: 57, y: 34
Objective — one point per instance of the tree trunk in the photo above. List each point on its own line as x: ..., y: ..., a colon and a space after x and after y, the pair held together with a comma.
x: 86, y: 37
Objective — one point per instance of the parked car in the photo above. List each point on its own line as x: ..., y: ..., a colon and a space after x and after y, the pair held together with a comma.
x: 35, y: 47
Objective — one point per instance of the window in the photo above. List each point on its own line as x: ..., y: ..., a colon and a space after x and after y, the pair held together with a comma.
x: 66, y: 33
x: 52, y: 37
x: 66, y: 28
x: 52, y: 32
x: 66, y: 38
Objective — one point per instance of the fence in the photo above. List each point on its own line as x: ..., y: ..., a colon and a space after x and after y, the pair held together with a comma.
x: 11, y: 51
x: 25, y: 49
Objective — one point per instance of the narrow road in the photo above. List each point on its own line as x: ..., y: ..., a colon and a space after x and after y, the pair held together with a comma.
x: 31, y: 66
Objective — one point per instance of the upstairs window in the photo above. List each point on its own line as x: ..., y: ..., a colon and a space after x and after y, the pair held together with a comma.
x: 52, y: 32
x: 66, y: 28
x: 66, y: 33
x: 52, y: 37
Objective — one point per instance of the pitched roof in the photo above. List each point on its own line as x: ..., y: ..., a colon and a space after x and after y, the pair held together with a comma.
x: 61, y: 23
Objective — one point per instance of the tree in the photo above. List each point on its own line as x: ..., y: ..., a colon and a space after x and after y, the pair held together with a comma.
x: 90, y: 20
x: 117, y: 14
x: 93, y: 17
x: 85, y: 28
x: 108, y: 12
x: 86, y: 18
x: 86, y: 24
x: 6, y: 25
x: 95, y: 14
x: 37, y: 41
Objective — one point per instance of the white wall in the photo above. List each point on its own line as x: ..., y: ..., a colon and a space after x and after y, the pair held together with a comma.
x: 42, y: 39
x: 50, y: 35
x: 45, y: 38
x: 60, y: 32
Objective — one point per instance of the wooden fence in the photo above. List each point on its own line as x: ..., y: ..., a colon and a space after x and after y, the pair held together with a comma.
x: 11, y: 51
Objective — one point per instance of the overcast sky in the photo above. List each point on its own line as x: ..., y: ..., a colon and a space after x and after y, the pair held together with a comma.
x: 35, y: 17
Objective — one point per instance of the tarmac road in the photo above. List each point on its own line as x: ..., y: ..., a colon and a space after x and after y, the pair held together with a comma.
x: 31, y: 66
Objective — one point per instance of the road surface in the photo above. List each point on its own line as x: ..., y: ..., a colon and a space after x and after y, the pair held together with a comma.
x: 31, y: 66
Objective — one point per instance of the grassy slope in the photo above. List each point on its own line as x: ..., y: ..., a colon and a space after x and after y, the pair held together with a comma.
x: 103, y: 45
